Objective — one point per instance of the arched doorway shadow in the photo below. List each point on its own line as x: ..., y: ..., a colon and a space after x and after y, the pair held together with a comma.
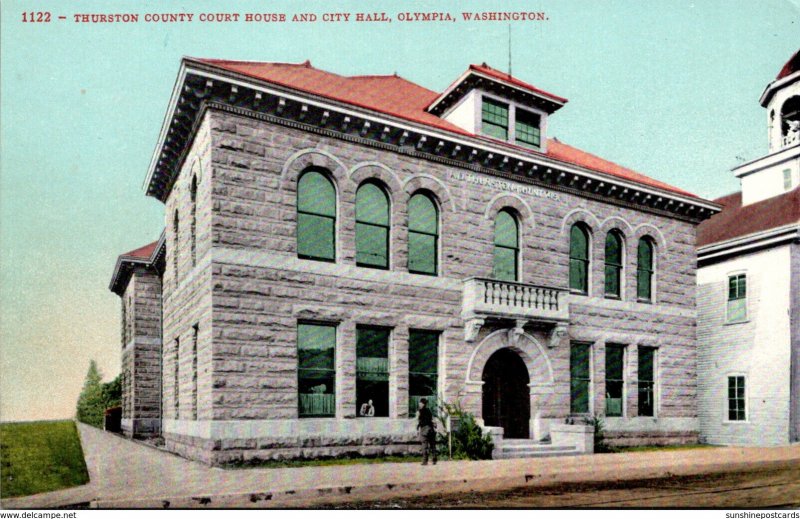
x: 506, y: 402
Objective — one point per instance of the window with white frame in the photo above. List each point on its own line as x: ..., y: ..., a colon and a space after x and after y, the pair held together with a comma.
x: 737, y: 401
x: 737, y: 298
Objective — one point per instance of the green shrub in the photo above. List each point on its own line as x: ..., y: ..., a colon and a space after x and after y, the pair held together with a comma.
x: 469, y: 442
x: 599, y: 425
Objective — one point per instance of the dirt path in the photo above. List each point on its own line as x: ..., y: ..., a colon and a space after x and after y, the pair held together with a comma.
x: 777, y: 486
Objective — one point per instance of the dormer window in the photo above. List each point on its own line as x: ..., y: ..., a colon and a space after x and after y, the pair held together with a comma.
x: 495, y: 119
x: 527, y: 129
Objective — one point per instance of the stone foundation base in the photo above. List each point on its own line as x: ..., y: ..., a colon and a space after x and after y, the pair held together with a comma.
x: 226, y: 451
x: 646, y: 438
x: 141, y: 427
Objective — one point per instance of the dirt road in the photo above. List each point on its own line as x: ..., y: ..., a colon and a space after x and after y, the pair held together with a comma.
x: 775, y: 486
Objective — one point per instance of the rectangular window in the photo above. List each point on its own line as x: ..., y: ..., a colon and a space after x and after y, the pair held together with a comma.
x: 372, y: 245
x: 527, y: 131
x: 372, y: 371
x: 647, y: 383
x: 736, y: 399
x: 737, y: 298
x: 495, y: 119
x: 787, y: 179
x: 423, y: 359
x: 176, y: 383
x: 316, y: 372
x: 580, y: 377
x: 195, y: 333
x: 615, y: 379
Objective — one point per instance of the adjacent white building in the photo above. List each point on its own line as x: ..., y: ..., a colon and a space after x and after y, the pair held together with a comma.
x: 749, y: 289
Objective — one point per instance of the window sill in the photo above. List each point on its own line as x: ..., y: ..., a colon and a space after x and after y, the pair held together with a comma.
x: 312, y: 258
x: 366, y: 266
x: 431, y: 274
x: 576, y: 292
x: 727, y: 323
x: 613, y: 298
x: 735, y: 422
x: 644, y: 301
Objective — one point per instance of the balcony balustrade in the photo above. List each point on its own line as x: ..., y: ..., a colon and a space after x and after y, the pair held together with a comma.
x: 521, y: 302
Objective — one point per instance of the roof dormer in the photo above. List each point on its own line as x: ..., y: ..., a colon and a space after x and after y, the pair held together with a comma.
x: 485, y: 101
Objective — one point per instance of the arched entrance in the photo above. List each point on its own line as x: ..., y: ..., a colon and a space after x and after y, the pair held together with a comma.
x: 506, y: 395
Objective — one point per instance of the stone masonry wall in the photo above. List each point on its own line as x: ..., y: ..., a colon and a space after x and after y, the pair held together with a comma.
x: 261, y: 289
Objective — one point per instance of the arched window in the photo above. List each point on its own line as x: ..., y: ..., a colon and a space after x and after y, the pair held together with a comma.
x: 506, y: 247
x: 372, y: 226
x: 316, y: 217
x: 614, y: 253
x: 423, y: 234
x: 579, y: 259
x: 194, y: 221
x: 175, y: 228
x: 645, y: 269
x: 790, y: 116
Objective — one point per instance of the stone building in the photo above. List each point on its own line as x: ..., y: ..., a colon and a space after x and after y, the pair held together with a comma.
x: 749, y: 289
x: 337, y: 248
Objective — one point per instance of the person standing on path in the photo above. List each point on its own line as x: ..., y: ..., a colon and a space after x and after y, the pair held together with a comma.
x: 427, y: 431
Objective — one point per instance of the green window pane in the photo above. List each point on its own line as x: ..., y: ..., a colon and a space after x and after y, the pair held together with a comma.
x: 646, y: 356
x: 644, y: 270
x: 527, y: 128
x: 372, y: 205
x: 315, y: 236
x: 643, y: 284
x: 613, y: 249
x: 423, y: 215
x: 505, y: 264
x: 316, y: 374
x: 578, y: 279
x: 372, y: 342
x: 505, y: 230
x: 315, y: 194
x: 423, y: 351
x: 372, y: 226
x: 372, y: 245
x: 421, y: 253
x: 578, y: 243
x: 612, y: 276
x: 495, y: 119
x: 614, y: 362
x: 372, y: 371
x: 579, y: 361
x: 646, y: 385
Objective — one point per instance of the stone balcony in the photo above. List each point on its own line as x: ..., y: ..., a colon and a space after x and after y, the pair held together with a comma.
x: 519, y: 302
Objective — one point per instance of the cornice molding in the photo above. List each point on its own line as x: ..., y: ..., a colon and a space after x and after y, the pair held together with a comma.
x: 203, y: 87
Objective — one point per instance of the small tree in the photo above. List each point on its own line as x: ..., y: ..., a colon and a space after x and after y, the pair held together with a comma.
x: 91, y: 400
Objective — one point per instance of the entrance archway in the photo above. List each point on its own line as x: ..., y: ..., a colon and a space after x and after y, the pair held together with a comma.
x: 506, y: 395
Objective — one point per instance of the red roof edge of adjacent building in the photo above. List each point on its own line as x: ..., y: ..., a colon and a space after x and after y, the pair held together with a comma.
x: 790, y: 67
x: 735, y: 220
x: 144, y: 252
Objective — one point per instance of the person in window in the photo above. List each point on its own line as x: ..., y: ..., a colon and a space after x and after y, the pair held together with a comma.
x: 427, y: 431
x: 367, y: 409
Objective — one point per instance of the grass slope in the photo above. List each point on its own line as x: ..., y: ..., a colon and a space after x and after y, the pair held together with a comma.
x: 39, y: 457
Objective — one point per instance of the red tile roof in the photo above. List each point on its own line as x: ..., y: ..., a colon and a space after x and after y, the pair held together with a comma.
x: 791, y: 66
x: 142, y: 252
x: 735, y: 221
x: 398, y: 97
x: 503, y: 76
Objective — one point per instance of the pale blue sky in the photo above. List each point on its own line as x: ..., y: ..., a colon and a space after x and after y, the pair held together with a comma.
x: 670, y: 90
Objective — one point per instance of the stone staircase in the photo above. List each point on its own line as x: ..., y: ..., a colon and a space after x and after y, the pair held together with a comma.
x: 531, y: 449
